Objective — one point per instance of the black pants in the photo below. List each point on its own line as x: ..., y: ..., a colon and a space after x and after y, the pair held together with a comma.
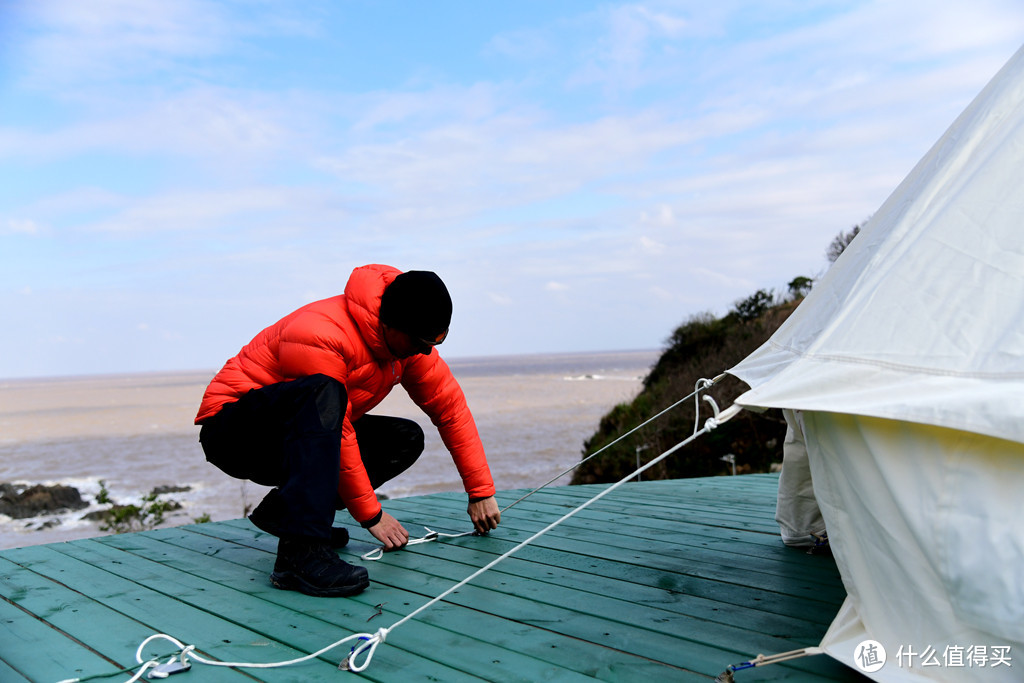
x: 288, y: 435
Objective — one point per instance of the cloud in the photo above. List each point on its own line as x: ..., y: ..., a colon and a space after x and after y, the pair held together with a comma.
x: 19, y: 226
x: 75, y: 43
x: 70, y: 205
x: 219, y: 126
x: 650, y: 246
x: 247, y: 209
x: 523, y: 45
x: 662, y: 294
x: 612, y: 169
x: 500, y: 299
x: 72, y: 46
x: 506, y: 160
x: 662, y: 216
x: 633, y: 37
x: 447, y: 102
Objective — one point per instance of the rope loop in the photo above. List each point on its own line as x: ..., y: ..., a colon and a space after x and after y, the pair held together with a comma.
x: 159, y: 636
x: 368, y: 645
x: 431, y: 535
x: 712, y: 422
x: 701, y: 385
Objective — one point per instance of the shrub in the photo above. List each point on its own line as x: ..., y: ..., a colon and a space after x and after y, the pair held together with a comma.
x: 702, y: 347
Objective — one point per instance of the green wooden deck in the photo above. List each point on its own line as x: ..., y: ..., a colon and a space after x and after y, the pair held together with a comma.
x: 661, y: 580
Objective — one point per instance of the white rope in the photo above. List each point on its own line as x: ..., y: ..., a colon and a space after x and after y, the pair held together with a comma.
x: 432, y: 535
x: 711, y: 424
x: 701, y: 385
x: 371, y: 640
x: 763, y: 660
x: 369, y: 643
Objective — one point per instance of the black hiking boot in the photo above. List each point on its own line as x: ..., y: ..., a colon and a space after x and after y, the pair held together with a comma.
x: 311, y: 567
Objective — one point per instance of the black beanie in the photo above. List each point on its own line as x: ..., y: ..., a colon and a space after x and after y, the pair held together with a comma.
x: 417, y: 303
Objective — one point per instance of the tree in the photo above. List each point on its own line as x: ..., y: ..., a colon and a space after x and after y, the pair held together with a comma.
x: 799, y: 287
x: 840, y: 243
x: 755, y: 305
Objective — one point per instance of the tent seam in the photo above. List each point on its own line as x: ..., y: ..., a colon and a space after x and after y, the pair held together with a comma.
x: 899, y: 366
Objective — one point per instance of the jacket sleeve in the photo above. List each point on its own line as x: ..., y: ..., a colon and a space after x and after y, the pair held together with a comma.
x: 309, y: 346
x: 434, y: 389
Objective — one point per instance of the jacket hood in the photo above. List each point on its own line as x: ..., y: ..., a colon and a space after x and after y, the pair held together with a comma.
x: 363, y: 292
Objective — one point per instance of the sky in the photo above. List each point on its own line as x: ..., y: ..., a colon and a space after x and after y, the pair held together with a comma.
x: 584, y: 176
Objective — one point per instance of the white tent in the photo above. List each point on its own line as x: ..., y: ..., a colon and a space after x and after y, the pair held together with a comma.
x: 905, y: 369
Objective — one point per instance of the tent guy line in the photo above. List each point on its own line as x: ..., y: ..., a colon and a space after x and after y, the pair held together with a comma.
x: 367, y: 642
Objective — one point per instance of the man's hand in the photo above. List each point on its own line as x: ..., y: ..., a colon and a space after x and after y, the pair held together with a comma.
x: 485, y: 514
x: 389, y: 532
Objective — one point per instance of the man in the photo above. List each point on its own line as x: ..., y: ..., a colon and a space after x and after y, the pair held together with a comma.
x: 289, y: 411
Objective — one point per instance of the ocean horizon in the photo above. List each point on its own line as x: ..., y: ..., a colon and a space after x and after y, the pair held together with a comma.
x: 134, y: 432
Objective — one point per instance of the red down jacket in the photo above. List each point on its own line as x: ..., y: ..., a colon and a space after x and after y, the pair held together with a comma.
x: 342, y: 337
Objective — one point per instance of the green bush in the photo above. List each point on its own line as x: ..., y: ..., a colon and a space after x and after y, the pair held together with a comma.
x: 702, y: 347
x: 121, y: 519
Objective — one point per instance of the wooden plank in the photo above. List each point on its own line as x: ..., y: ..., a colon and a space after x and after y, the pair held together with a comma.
x: 651, y: 512
x: 539, y: 645
x: 664, y: 528
x: 753, y: 490
x: 660, y: 501
x: 81, y: 620
x: 464, y: 651
x: 597, y: 618
x: 679, y: 503
x: 671, y: 537
x: 659, y: 580
x: 647, y: 630
x: 719, y: 506
x: 655, y: 501
x: 9, y: 675
x: 120, y: 613
x: 590, y: 538
x: 739, y: 605
x: 27, y: 648
x: 229, y: 625
x: 419, y: 587
x: 443, y: 516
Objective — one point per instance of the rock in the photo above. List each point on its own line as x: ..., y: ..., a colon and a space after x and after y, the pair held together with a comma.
x: 107, y: 513
x: 170, y: 488
x: 48, y: 524
x: 97, y: 515
x: 38, y: 500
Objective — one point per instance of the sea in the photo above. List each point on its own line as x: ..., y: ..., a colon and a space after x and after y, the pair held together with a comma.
x: 133, y: 433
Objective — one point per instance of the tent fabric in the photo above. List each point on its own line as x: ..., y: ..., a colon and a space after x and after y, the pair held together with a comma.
x: 928, y: 563
x: 905, y: 368
x: 922, y: 317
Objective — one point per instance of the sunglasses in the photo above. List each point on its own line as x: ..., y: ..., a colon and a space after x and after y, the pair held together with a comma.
x: 432, y: 342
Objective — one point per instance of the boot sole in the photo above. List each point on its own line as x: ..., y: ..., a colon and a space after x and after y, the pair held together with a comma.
x: 293, y: 582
